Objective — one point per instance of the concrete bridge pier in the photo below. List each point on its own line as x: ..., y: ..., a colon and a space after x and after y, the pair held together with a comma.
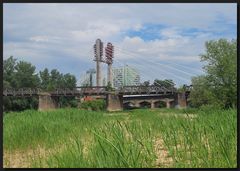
x: 181, y: 100
x: 152, y: 105
x: 46, y: 102
x: 168, y: 103
x: 114, y: 102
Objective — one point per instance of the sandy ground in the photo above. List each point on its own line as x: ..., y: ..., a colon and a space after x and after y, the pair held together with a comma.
x: 22, y: 159
x: 188, y: 116
x: 163, y: 159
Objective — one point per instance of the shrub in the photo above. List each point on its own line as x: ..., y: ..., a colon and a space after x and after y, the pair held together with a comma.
x: 96, y: 105
x: 209, y: 108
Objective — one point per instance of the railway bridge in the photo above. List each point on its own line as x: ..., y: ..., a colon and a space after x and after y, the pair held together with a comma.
x: 115, y: 99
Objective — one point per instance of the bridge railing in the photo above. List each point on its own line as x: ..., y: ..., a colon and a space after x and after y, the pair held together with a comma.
x: 79, y: 91
x: 21, y: 92
x: 146, y: 90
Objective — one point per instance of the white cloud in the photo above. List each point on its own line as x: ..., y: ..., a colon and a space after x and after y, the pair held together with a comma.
x: 155, y: 48
x: 47, y: 39
x: 170, y: 33
x: 39, y: 38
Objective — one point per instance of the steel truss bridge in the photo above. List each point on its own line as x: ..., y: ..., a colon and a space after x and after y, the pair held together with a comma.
x: 88, y: 91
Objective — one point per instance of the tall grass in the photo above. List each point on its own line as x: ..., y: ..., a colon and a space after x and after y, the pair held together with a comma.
x: 81, y: 138
x: 30, y: 128
x: 207, y: 140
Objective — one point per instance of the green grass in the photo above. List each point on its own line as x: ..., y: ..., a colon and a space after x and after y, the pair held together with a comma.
x: 30, y: 128
x: 80, y: 138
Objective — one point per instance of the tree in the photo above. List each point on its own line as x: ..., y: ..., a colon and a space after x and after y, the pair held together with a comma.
x: 221, y: 72
x: 8, y: 80
x: 22, y: 75
x: 56, y: 80
x: 146, y: 83
x: 69, y: 81
x: 9, y: 66
x: 25, y: 75
x: 45, y: 79
x: 19, y: 75
x: 109, y: 87
x: 201, y: 94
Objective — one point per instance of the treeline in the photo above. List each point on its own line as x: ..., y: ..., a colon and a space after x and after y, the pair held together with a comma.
x: 21, y: 74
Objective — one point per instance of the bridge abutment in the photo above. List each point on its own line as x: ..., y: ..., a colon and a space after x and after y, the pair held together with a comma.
x: 46, y: 102
x: 114, y: 102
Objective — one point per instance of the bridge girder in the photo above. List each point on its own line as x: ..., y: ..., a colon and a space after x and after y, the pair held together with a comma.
x: 101, y: 90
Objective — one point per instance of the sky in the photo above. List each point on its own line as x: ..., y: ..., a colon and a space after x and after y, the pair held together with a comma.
x: 160, y: 40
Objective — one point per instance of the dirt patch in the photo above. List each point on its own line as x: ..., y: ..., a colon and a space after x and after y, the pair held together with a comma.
x: 115, y: 114
x: 24, y: 158
x: 189, y: 116
x: 15, y: 159
x: 163, y: 158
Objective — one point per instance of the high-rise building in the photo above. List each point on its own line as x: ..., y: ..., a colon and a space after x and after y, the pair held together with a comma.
x: 104, y: 83
x: 125, y: 76
x: 89, y: 79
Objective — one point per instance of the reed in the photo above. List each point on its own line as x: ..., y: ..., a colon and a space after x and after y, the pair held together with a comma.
x: 80, y: 138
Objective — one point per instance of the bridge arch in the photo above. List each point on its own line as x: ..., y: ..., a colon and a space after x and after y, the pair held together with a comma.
x: 128, y: 105
x: 160, y: 104
x: 145, y: 104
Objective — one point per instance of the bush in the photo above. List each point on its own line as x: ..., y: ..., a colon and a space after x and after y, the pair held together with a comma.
x: 67, y: 102
x: 19, y: 103
x: 209, y: 108
x: 96, y: 105
x: 73, y: 103
x: 190, y: 110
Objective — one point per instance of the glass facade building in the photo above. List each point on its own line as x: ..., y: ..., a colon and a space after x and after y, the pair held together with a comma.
x: 125, y: 76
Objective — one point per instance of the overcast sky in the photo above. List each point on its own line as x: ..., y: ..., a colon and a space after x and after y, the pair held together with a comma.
x: 160, y: 40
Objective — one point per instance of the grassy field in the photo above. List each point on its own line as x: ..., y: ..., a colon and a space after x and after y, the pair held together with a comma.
x: 129, y: 139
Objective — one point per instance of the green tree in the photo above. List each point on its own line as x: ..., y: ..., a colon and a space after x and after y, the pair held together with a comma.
x: 201, y: 93
x: 9, y: 71
x: 19, y: 75
x: 56, y: 80
x: 25, y: 75
x: 69, y: 81
x: 146, y: 83
x: 9, y: 65
x: 45, y: 79
x: 109, y: 87
x: 221, y: 73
